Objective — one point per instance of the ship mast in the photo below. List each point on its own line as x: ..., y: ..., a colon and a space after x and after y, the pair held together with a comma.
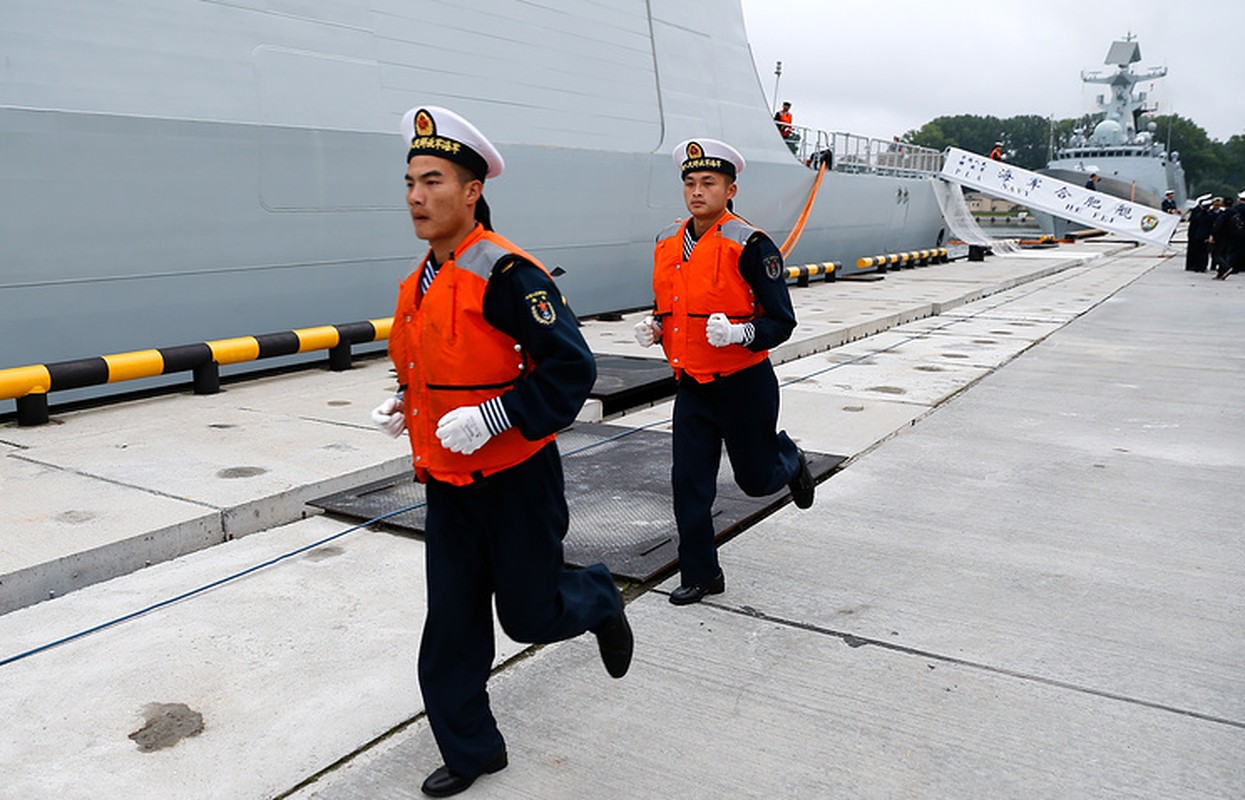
x: 1124, y: 106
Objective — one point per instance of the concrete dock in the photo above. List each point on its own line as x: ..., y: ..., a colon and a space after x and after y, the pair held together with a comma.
x: 1026, y: 582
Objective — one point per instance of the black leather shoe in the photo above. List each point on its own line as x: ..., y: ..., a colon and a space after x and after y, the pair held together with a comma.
x: 616, y: 643
x: 686, y: 595
x: 802, y: 486
x: 444, y: 783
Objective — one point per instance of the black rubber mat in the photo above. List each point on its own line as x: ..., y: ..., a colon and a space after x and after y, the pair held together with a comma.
x: 620, y: 515
x: 628, y: 381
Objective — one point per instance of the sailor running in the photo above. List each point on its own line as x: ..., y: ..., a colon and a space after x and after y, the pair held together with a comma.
x: 721, y: 303
x: 491, y: 364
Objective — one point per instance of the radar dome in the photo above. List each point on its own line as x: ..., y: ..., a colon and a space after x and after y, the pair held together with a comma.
x: 1107, y: 132
x: 1152, y: 126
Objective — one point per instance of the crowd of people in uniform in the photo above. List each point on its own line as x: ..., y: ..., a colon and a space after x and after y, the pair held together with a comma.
x: 1217, y: 235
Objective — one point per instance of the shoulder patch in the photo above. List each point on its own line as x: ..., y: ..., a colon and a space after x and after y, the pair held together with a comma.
x: 541, y: 306
x: 773, y: 266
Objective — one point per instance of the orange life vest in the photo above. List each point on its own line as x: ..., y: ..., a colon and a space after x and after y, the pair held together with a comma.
x: 784, y: 122
x: 448, y: 356
x: 709, y: 282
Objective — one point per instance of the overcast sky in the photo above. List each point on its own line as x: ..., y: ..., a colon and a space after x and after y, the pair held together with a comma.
x: 881, y: 69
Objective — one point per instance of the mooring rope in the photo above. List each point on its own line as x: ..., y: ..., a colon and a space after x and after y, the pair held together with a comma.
x: 794, y: 236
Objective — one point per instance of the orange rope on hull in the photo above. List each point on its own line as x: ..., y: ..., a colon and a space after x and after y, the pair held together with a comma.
x: 794, y: 236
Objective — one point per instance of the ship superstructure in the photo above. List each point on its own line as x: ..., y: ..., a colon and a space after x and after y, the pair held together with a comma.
x: 1123, y: 149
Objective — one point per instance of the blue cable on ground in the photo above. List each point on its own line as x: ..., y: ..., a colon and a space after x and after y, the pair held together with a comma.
x: 411, y: 508
x: 268, y: 563
x: 200, y: 590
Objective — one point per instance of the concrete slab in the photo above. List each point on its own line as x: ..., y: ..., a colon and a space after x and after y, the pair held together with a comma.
x: 291, y: 667
x: 721, y: 703
x: 1079, y: 533
x: 1014, y: 597
x: 1029, y: 589
x: 1063, y: 297
x: 831, y: 314
x: 149, y: 480
x: 75, y: 531
x: 901, y: 371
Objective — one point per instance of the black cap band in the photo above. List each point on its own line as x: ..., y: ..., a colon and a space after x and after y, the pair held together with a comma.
x: 709, y: 164
x: 450, y: 150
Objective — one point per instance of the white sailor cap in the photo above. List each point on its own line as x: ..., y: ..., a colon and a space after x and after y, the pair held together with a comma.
x: 1241, y: 195
x: 1203, y: 200
x: 701, y: 155
x: 436, y: 131
x: 1170, y: 191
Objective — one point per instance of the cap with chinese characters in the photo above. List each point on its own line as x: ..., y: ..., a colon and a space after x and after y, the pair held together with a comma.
x: 436, y: 131
x: 708, y: 155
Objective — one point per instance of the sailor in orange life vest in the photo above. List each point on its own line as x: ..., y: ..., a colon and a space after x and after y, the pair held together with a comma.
x: 491, y: 364
x: 721, y: 303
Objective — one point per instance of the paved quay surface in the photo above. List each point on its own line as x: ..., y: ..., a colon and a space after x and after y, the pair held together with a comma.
x: 1026, y: 583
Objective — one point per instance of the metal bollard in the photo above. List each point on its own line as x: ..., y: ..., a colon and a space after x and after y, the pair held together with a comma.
x: 207, y: 378
x: 32, y: 410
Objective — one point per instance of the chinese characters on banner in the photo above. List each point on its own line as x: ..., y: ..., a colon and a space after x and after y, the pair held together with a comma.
x: 1076, y: 203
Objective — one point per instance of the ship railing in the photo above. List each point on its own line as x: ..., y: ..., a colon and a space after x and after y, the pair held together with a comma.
x: 1116, y: 150
x: 849, y: 152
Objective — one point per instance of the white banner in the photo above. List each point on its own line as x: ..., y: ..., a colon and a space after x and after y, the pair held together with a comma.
x: 1077, y: 203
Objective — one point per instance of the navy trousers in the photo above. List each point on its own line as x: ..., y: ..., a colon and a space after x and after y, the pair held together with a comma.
x: 740, y: 410
x: 498, y: 536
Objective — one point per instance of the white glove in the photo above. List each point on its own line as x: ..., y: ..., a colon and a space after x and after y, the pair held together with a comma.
x: 721, y: 332
x: 463, y: 430
x: 389, y: 418
x: 647, y: 331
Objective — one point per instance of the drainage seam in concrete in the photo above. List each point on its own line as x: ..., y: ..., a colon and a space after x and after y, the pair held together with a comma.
x: 854, y: 641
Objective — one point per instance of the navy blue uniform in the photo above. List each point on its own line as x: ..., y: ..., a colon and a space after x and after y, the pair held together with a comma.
x: 1225, y: 240
x: 1199, y: 231
x: 502, y: 535
x: 740, y: 410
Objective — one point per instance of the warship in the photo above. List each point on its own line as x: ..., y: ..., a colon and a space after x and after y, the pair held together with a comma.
x: 1123, y: 149
x: 186, y: 170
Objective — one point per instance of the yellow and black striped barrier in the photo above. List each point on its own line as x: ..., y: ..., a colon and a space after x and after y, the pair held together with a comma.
x: 30, y: 385
x: 828, y: 270
x: 906, y: 260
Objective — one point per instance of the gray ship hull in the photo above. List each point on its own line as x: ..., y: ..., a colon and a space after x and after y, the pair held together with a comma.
x: 196, y: 170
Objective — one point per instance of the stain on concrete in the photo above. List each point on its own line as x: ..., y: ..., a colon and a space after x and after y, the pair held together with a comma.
x: 887, y: 389
x: 336, y: 403
x: 222, y: 425
x: 853, y: 409
x: 929, y: 368
x: 75, y: 517
x: 166, y: 725
x: 321, y: 553
x: 240, y: 472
